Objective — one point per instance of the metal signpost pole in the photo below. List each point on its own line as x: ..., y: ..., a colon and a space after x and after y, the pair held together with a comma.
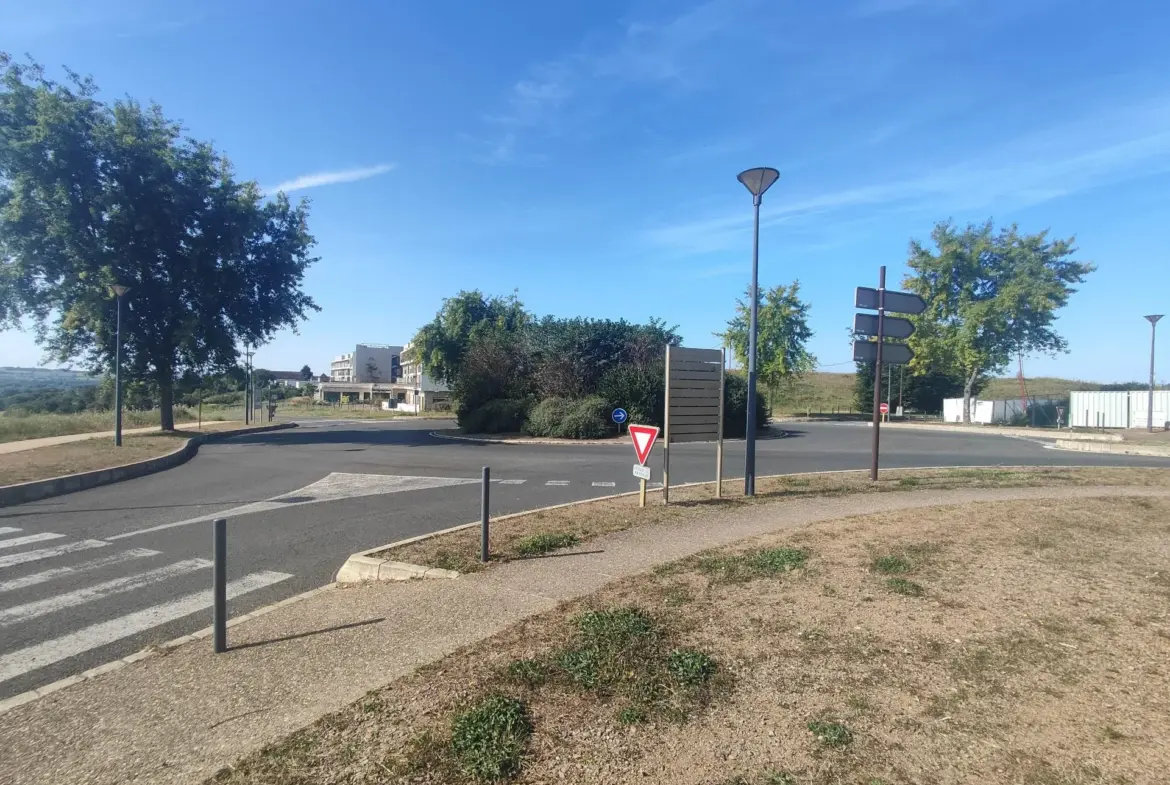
x: 219, y: 585
x: 1153, y: 329
x: 877, y: 374
x: 484, y: 521
x: 719, y: 452
x: 749, y: 475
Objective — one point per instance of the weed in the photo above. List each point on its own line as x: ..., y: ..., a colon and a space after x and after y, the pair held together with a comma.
x: 891, y: 565
x: 778, y: 778
x: 903, y: 586
x: 447, y: 560
x: 831, y: 734
x: 828, y: 590
x: 489, y: 738
x: 530, y: 673
x: 631, y: 715
x: 1112, y: 734
x: 690, y: 667
x: 676, y: 594
x: 1100, y: 621
x: 545, y: 542
x: 858, y: 703
x: 908, y: 482
x: 746, y: 566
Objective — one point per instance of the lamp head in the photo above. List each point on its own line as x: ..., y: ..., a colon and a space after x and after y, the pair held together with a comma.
x: 758, y: 180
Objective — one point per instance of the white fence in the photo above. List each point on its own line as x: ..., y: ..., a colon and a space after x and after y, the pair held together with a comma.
x: 1121, y: 409
x: 991, y: 412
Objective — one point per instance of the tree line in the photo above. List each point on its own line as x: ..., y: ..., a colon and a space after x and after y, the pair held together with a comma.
x: 510, y: 371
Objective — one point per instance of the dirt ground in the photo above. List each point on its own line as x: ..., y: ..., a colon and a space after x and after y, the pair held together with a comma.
x: 993, y: 643
x: 510, y: 535
x: 100, y: 453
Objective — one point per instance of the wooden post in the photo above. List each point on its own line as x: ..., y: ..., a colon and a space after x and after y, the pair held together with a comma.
x: 641, y: 493
x: 666, y: 436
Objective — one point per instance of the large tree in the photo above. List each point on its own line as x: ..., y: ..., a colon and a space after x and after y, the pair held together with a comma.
x: 783, y: 334
x: 94, y: 195
x: 990, y: 296
x: 442, y: 344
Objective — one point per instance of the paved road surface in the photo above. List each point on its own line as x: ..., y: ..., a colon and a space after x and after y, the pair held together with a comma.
x: 92, y: 576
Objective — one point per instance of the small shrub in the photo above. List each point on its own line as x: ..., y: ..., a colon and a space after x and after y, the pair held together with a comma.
x: 530, y: 673
x: 545, y: 542
x: 903, y: 586
x: 568, y: 418
x: 631, y: 715
x: 498, y: 416
x: 891, y: 565
x: 690, y: 667
x: 489, y: 738
x: 831, y: 734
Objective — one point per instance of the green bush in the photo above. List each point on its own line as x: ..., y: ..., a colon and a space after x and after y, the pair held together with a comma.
x: 498, y: 416
x: 489, y: 738
x: 735, y: 407
x: 639, y: 389
x: 565, y: 418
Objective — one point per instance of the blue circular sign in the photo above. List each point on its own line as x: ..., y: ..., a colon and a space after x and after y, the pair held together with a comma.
x: 620, y: 416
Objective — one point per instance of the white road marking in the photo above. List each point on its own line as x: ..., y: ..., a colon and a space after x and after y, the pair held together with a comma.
x: 38, y: 608
x: 603, y: 484
x: 30, y: 538
x: 8, y: 530
x: 338, y: 485
x: 48, y: 553
x: 57, y: 572
x: 557, y: 482
x: 511, y: 482
x: 30, y: 658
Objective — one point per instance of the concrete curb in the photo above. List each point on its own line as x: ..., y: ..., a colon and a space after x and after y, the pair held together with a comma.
x: 1117, y: 449
x: 991, y: 430
x: 366, y: 568
x: 70, y: 483
x: 28, y: 697
x: 780, y: 433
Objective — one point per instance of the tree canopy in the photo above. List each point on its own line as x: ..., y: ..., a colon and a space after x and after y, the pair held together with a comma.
x: 94, y: 195
x: 783, y: 334
x: 442, y: 343
x: 989, y: 297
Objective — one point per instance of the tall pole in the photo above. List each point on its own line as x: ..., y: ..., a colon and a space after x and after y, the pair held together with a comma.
x: 749, y: 475
x: 118, y: 374
x: 877, y: 373
x: 1153, y: 331
x: 889, y: 387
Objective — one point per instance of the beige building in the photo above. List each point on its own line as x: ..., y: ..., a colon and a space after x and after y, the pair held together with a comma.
x: 358, y: 377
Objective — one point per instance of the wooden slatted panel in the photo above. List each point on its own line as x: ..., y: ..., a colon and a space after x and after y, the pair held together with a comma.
x: 692, y: 437
x: 700, y: 355
x: 677, y: 430
x: 691, y: 365
x: 684, y: 407
x: 693, y: 419
x: 694, y: 376
x: 693, y: 395
x: 676, y: 385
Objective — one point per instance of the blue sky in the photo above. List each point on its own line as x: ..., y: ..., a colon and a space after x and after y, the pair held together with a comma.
x: 585, y: 153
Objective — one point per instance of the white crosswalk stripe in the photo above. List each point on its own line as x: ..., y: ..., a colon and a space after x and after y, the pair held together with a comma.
x: 28, y: 539
x: 30, y: 658
x: 557, y: 482
x: 13, y: 559
x: 8, y: 530
x: 511, y: 482
x: 603, y: 484
x: 58, y: 572
x: 38, y: 608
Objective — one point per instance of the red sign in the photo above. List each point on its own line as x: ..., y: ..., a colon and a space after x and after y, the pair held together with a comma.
x: 643, y: 437
x: 884, y: 408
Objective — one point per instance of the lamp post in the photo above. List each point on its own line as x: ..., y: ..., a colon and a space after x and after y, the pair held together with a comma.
x: 1153, y: 319
x: 756, y: 181
x: 119, y: 291
x: 247, y: 383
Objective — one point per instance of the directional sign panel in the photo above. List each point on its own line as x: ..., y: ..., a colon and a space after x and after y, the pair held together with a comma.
x: 892, y: 353
x: 620, y: 416
x: 892, y: 326
x: 898, y: 302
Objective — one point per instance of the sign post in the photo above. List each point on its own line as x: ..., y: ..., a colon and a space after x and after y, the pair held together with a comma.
x: 694, y: 405
x: 643, y: 438
x: 878, y: 351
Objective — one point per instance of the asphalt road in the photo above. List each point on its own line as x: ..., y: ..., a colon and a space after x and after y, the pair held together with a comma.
x: 92, y: 576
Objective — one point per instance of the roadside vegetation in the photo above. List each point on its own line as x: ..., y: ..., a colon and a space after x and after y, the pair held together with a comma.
x: 528, y: 534
x: 806, y: 667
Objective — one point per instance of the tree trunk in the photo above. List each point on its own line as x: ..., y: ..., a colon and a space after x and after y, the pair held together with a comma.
x: 967, y: 386
x: 166, y: 402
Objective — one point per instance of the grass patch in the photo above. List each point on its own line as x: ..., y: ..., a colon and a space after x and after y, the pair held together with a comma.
x: 749, y: 565
x: 545, y: 542
x: 905, y: 587
x: 530, y: 673
x: 891, y: 565
x: 489, y: 738
x: 831, y: 733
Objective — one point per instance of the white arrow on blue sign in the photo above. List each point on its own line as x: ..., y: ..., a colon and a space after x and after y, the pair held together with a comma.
x: 620, y: 416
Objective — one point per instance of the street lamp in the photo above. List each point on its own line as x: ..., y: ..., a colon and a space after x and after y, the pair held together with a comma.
x: 1153, y: 319
x: 247, y: 382
x: 757, y: 181
x: 119, y: 291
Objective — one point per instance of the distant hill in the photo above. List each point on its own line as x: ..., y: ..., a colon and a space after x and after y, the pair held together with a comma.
x: 14, y: 379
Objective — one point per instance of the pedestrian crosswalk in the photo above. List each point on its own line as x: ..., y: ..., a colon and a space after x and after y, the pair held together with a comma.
x: 73, y: 596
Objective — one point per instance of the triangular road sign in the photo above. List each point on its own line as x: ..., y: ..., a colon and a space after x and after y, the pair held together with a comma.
x: 643, y: 437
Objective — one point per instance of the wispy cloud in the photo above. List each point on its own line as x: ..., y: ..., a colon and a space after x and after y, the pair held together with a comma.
x: 1134, y: 142
x: 329, y: 178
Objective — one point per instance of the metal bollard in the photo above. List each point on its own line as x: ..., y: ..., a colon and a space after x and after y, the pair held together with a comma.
x: 219, y: 586
x: 484, y: 515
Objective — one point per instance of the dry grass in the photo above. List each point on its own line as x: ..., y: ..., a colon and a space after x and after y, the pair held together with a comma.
x: 90, y: 454
x: 1036, y: 654
x: 460, y: 550
x: 38, y: 426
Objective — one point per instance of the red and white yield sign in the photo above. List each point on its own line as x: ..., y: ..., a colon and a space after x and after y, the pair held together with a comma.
x: 884, y: 408
x: 643, y: 437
